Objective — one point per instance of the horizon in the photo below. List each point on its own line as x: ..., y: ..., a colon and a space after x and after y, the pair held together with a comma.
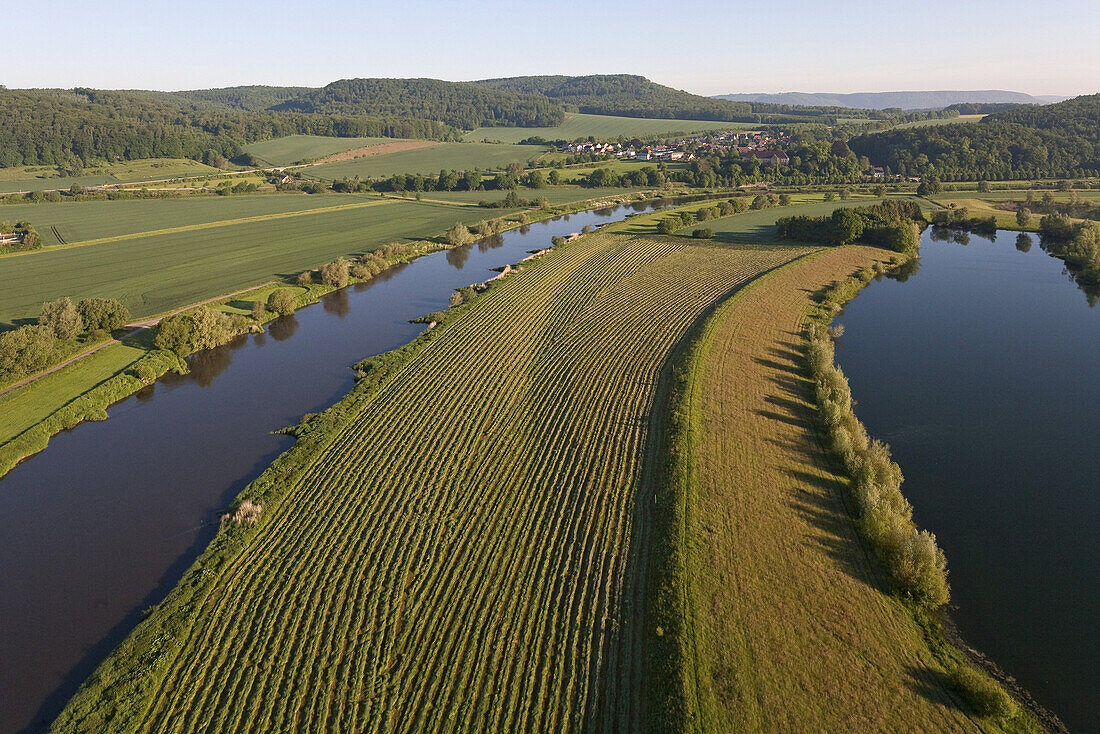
x: 215, y: 46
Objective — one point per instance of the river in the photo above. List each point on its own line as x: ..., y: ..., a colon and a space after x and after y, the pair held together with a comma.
x: 982, y: 371
x: 101, y: 525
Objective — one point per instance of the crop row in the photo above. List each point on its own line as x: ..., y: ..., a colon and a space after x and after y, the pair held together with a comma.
x: 459, y: 556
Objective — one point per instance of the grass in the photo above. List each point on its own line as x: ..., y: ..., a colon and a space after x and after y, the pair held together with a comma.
x: 297, y: 148
x: 454, y: 545
x: 932, y: 122
x: 789, y: 628
x: 602, y: 127
x: 80, y: 221
x: 28, y: 406
x: 457, y: 156
x: 157, y: 272
x: 39, y: 178
x: 757, y: 226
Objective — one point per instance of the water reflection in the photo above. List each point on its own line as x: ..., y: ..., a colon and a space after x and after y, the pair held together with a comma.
x: 457, y: 256
x: 282, y: 328
x: 337, y: 303
x: 1023, y: 242
x: 206, y: 365
x: 491, y: 242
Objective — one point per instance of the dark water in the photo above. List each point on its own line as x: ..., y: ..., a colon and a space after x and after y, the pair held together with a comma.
x: 101, y: 525
x: 982, y: 370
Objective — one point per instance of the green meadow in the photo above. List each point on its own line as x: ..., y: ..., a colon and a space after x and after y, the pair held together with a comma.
x: 433, y: 159
x: 297, y: 148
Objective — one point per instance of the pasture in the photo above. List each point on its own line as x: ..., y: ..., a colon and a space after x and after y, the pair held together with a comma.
x: 456, y: 156
x: 41, y: 178
x: 155, y: 272
x: 601, y: 127
x: 297, y: 148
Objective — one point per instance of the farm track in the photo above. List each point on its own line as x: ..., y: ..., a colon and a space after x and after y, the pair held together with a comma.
x: 458, y: 557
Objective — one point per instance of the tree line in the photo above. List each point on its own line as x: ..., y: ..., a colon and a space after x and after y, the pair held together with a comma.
x: 894, y: 224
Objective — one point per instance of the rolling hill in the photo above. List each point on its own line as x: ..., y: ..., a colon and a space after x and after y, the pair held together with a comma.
x: 892, y: 100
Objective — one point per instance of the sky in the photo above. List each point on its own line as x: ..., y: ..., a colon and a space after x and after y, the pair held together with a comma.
x: 703, y: 47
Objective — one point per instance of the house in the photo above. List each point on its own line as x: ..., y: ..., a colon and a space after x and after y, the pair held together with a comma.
x: 645, y: 154
x: 773, y: 157
x: 878, y: 172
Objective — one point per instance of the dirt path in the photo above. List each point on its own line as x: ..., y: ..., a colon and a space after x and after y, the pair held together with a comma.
x: 134, y: 328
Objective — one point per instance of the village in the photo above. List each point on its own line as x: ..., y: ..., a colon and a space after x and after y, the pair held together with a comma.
x: 765, y: 147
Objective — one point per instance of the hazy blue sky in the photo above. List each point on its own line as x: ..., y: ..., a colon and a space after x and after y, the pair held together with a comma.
x: 704, y: 47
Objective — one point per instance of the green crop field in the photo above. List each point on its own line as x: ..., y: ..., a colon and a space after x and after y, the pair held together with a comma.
x: 460, y: 553
x: 69, y: 222
x: 158, y: 272
x: 759, y: 225
x: 433, y: 159
x: 295, y: 148
x: 40, y: 178
x: 602, y: 127
x: 940, y: 121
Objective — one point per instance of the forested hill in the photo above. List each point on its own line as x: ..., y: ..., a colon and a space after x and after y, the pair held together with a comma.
x: 1061, y: 139
x: 250, y: 98
x: 636, y: 96
x: 72, y: 128
x: 461, y: 104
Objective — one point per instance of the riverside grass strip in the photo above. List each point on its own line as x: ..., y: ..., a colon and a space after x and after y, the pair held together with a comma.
x: 789, y: 624
x: 450, y: 546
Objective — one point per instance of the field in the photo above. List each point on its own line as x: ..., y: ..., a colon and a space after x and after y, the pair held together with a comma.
x: 791, y: 630
x: 40, y: 178
x: 457, y: 156
x: 758, y: 226
x: 152, y: 273
x: 75, y: 222
x: 939, y: 121
x: 602, y: 127
x: 460, y: 551
x: 297, y: 148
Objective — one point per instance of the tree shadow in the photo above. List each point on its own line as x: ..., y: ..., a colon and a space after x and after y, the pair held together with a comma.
x: 932, y: 685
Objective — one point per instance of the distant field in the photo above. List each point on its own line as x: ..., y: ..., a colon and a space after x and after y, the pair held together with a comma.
x: 40, y: 178
x: 457, y: 156
x: 69, y: 222
x: 755, y: 227
x: 602, y: 127
x: 939, y: 121
x: 295, y: 148
x: 555, y: 195
x: 152, y: 274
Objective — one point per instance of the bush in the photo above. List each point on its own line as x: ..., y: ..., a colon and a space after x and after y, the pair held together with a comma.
x: 25, y: 350
x: 259, y: 311
x: 1023, y: 217
x: 668, y: 225
x: 982, y: 693
x: 335, y: 274
x: 305, y: 277
x: 703, y: 234
x: 282, y: 301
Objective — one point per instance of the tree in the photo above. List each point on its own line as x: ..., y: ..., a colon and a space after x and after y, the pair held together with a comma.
x: 458, y: 235
x: 983, y: 186
x: 335, y: 273
x: 784, y: 200
x: 103, y: 313
x: 1023, y: 217
x: 847, y: 226
x: 282, y: 301
x: 555, y: 177
x: 176, y: 334
x: 929, y: 186
x: 668, y: 225
x: 259, y: 311
x: 62, y: 318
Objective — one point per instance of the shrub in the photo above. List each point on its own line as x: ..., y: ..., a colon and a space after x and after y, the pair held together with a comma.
x: 668, y: 225
x: 982, y: 693
x: 259, y: 311
x: 247, y: 513
x: 282, y: 301
x: 305, y: 277
x: 144, y: 372
x: 25, y: 350
x: 335, y: 274
x: 703, y: 234
x: 1023, y: 216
